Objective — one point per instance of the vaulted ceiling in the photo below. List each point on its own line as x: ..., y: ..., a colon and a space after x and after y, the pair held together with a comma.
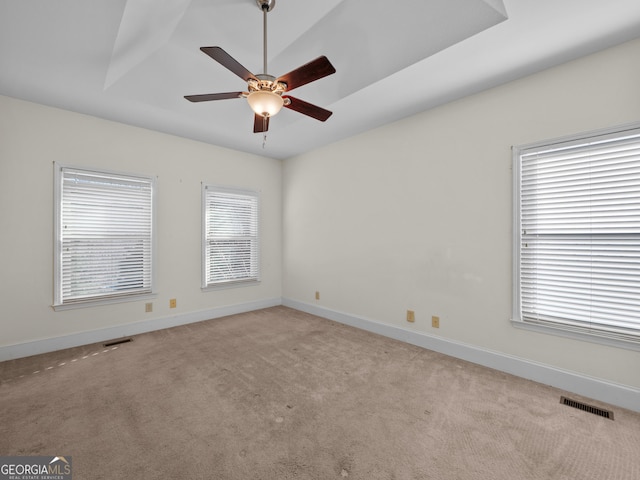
x: 132, y: 61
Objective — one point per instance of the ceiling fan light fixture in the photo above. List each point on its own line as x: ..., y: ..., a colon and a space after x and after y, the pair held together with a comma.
x: 265, y: 102
x: 265, y: 93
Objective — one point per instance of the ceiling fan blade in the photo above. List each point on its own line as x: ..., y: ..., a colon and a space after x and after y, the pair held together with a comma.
x: 227, y: 61
x: 307, y: 73
x: 260, y: 124
x: 212, y: 96
x: 307, y: 108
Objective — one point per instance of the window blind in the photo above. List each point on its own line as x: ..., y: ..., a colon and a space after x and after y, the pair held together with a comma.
x: 580, y: 235
x: 231, y: 236
x: 105, y: 229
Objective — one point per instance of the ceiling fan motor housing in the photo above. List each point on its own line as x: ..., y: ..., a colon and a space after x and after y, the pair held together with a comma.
x: 267, y: 82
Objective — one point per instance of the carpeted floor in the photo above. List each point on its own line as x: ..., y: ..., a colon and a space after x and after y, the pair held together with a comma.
x: 280, y: 394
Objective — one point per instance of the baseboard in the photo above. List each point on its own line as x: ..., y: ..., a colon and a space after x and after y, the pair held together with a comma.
x: 37, y: 347
x: 615, y: 394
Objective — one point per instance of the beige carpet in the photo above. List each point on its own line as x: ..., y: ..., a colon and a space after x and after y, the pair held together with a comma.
x: 280, y: 394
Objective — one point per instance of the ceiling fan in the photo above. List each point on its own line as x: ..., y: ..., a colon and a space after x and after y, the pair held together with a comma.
x: 266, y: 93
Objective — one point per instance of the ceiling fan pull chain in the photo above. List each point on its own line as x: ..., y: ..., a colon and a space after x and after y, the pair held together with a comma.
x: 264, y: 130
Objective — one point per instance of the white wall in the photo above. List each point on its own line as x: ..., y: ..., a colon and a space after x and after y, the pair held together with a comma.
x: 33, y: 136
x: 418, y: 214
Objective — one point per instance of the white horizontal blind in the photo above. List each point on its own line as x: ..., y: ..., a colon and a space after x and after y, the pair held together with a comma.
x: 105, y: 229
x: 580, y: 235
x: 231, y: 236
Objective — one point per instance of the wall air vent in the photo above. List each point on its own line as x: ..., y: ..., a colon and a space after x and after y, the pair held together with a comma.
x: 587, y: 408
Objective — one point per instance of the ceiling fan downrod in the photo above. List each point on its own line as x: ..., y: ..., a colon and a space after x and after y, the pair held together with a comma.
x: 266, y: 6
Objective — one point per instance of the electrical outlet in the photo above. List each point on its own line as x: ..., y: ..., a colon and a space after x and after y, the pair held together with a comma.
x: 411, y: 316
x: 148, y: 307
x: 172, y: 303
x: 317, y: 295
x: 435, y: 322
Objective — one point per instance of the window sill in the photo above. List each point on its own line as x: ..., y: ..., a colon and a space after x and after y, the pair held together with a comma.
x: 227, y: 285
x: 578, y: 335
x: 104, y: 301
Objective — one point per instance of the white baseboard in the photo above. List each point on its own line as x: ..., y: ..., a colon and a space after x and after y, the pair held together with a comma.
x: 37, y: 347
x: 615, y: 394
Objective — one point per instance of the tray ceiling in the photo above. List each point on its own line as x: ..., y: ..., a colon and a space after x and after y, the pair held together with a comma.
x: 132, y: 61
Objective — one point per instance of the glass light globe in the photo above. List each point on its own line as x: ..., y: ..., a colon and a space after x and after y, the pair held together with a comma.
x: 265, y: 103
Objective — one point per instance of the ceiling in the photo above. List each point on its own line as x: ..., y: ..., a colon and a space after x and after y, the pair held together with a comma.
x: 132, y: 61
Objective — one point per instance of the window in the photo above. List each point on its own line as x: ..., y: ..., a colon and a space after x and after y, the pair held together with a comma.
x: 104, y: 236
x: 577, y: 236
x: 231, y: 237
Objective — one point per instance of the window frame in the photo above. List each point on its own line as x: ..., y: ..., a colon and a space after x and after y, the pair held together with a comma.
x: 59, y: 302
x: 594, y: 335
x: 206, y: 285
